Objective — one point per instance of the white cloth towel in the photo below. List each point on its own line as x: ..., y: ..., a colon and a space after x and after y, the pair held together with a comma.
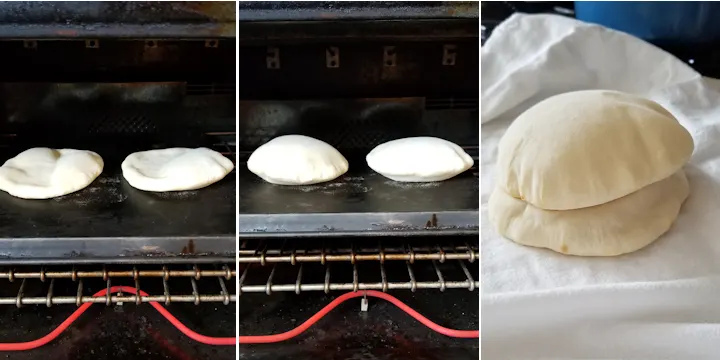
x: 662, y: 302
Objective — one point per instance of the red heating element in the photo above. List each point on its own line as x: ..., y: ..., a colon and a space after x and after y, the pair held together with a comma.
x: 255, y: 339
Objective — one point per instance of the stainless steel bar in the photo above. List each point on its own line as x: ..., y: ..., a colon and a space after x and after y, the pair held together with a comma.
x: 323, y: 257
x: 19, y: 298
x: 11, y: 275
x: 381, y: 252
x: 242, y: 280
x: 137, y: 290
x: 361, y: 286
x: 78, y: 297
x: 442, y: 254
x: 224, y: 291
x: 383, y: 276
x: 471, y: 252
x: 196, y: 294
x: 229, y: 274
x: 268, y: 285
x: 108, y: 295
x: 353, y: 259
x: 49, y: 297
x: 356, y: 278
x: 196, y: 270
x: 166, y: 291
x: 366, y: 249
x: 262, y: 255
x: 396, y: 249
x: 115, y: 299
x: 292, y: 256
x: 413, y: 282
x: 468, y: 275
x: 298, y: 282
x: 327, y: 279
x: 441, y: 278
x: 349, y: 257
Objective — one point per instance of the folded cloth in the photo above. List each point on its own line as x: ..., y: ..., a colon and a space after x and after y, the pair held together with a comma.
x: 539, y: 304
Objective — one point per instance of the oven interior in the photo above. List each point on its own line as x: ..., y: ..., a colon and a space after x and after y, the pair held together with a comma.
x: 356, y: 75
x: 115, y: 78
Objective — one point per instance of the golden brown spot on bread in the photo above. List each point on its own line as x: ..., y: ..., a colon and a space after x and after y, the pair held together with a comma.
x: 564, y: 248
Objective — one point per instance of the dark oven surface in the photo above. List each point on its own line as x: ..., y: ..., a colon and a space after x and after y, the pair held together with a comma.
x: 109, y: 217
x: 359, y: 202
x: 172, y: 99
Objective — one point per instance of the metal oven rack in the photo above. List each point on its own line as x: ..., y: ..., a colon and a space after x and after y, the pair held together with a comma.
x: 58, y: 285
x: 36, y: 299
x: 282, y: 282
x: 269, y: 266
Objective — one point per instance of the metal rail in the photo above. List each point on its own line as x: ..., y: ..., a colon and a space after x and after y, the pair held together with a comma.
x: 105, y: 274
x: 219, y: 278
x: 263, y: 252
x: 417, y: 259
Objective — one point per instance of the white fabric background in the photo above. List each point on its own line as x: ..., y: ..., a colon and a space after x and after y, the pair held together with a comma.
x: 662, y: 302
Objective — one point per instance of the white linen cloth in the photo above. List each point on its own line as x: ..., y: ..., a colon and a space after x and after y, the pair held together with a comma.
x: 662, y: 302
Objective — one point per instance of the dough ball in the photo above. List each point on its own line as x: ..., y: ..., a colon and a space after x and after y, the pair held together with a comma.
x: 42, y: 173
x: 587, y: 148
x: 296, y: 160
x: 618, y: 227
x: 175, y: 169
x: 419, y: 159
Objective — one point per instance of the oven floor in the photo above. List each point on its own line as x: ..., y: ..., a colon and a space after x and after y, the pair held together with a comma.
x: 360, y: 201
x: 119, y: 332
x: 384, y: 332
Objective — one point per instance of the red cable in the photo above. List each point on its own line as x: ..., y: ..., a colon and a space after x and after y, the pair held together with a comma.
x: 259, y: 339
x: 265, y: 339
x: 29, y: 345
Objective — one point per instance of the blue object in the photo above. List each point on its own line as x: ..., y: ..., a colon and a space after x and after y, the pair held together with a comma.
x: 667, y: 22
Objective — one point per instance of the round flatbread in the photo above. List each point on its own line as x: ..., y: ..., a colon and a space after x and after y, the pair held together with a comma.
x: 296, y: 160
x: 43, y: 173
x: 618, y: 227
x: 588, y: 148
x: 175, y: 169
x: 419, y: 159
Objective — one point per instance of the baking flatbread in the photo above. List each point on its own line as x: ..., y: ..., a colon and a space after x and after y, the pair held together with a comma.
x: 419, y: 159
x: 297, y: 160
x: 175, y: 169
x: 43, y: 173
